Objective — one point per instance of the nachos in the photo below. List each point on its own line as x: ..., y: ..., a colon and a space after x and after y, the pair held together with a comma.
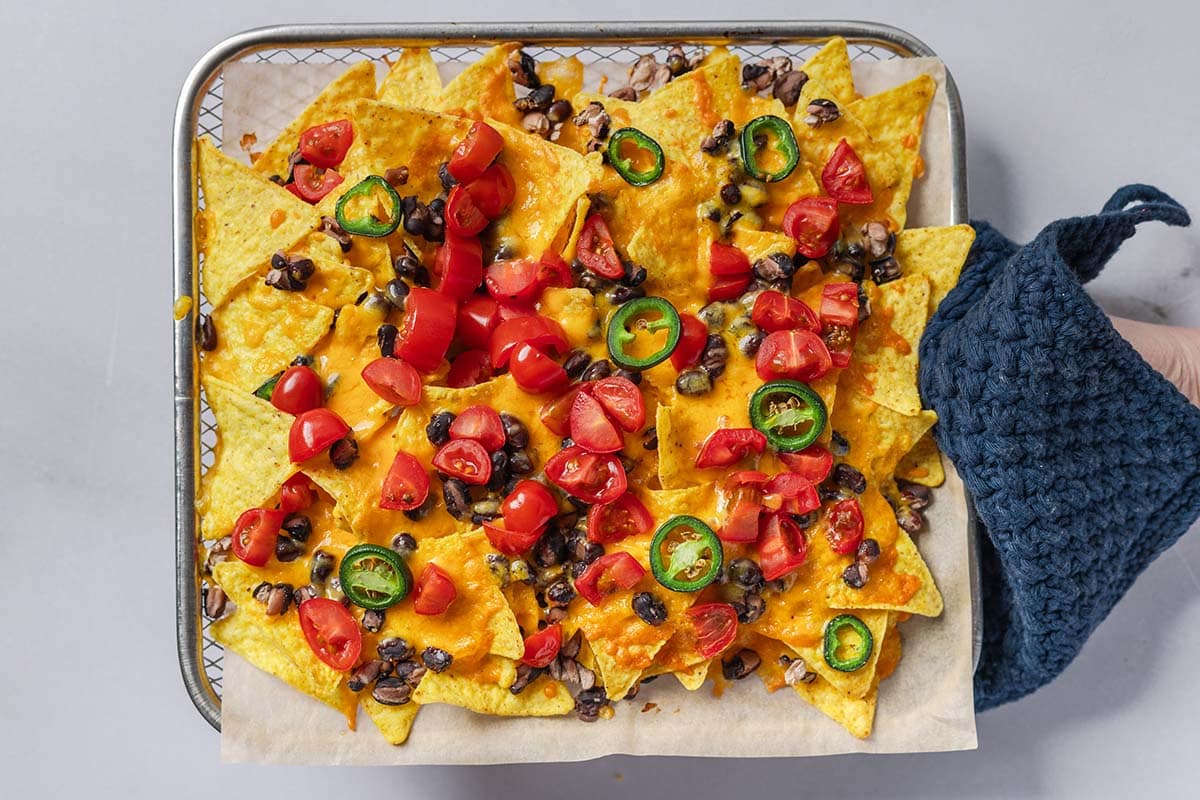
x: 529, y: 393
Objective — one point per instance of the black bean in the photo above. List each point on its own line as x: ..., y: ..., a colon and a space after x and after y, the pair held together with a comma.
x: 500, y: 471
x: 409, y: 671
x: 279, y: 599
x: 422, y: 511
x: 322, y: 567
x: 525, y: 676
x: 868, y: 551
x: 330, y: 227
x: 914, y: 494
x: 519, y: 463
x: 448, y: 181
x: 650, y: 438
x: 436, y: 658
x: 551, y: 549
x: 855, y: 576
x: 516, y: 435
x: 416, y: 215
x: 288, y: 549
x: 731, y: 195
x: 821, y: 111
x: 523, y: 69
x: 560, y: 593
x: 458, y: 498
x: 649, y: 608
x: 206, y: 333
x: 864, y: 303
x: 600, y: 368
x: 364, y: 675
x: 718, y: 140
x: 829, y: 492
x: 740, y: 665
x: 438, y: 429
x: 748, y: 345
x: 559, y: 111
x: 848, y: 477
x: 777, y: 267
x: 394, y: 648
x: 693, y: 381
x: 635, y: 274
x: 745, y: 573
x: 839, y: 445
x: 788, y: 86
x: 677, y: 62
x: 620, y: 294
x: 281, y: 279
x: 406, y: 265
x: 298, y: 526
x: 750, y: 607
x: 404, y: 543
x: 304, y: 593
x: 885, y: 269
x: 805, y: 520
x: 713, y: 315
x: 300, y: 269
x: 589, y: 702
x: 262, y: 592
x: 715, y: 354
x: 396, y: 176
x: 386, y: 337
x: 593, y: 282
x: 511, y: 485
x: 576, y: 362
x: 343, y: 453
x: 436, y: 228
x: 909, y: 519
x: 214, y: 602
x: 392, y: 692
x: 537, y: 100
x: 752, y: 72
x: 396, y: 293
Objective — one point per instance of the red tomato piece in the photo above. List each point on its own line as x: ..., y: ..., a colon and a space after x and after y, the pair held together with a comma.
x: 515, y: 282
x: 813, y: 462
x: 464, y: 459
x: 536, y: 372
x: 727, y: 446
x: 298, y: 389
x: 434, y: 591
x: 612, y: 522
x: 511, y: 543
x: 457, y: 266
x: 470, y: 367
x: 591, y: 428
x: 313, y: 432
x: 326, y: 145
x: 728, y: 288
x: 393, y: 380
x: 529, y: 507
x: 839, y: 305
x: 752, y: 478
x: 799, y: 355
x: 407, y: 484
x: 541, y: 332
x: 727, y: 261
x: 493, y: 191
x: 592, y: 477
x: 480, y: 423
x: 331, y: 632
x: 556, y: 414
x: 715, y: 626
x: 845, y: 177
x: 296, y: 494
x: 463, y: 217
x: 478, y: 316
x: 595, y: 249
x: 542, y: 647
x: 622, y: 401
x: 254, y: 535
x: 475, y: 153
x: 776, y: 311
x: 609, y: 573
x: 311, y: 183
x: 813, y: 223
x: 427, y: 328
x: 555, y: 270
x: 792, y: 493
x: 844, y: 526
x: 782, y: 548
x: 741, y: 522
x: 692, y: 336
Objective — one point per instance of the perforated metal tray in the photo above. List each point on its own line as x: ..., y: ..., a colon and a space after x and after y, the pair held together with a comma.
x: 199, y: 112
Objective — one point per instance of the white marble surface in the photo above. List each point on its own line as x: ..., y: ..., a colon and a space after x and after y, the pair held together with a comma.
x: 1065, y: 101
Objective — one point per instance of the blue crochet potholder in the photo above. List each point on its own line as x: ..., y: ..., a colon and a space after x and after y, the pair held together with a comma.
x: 1084, y: 462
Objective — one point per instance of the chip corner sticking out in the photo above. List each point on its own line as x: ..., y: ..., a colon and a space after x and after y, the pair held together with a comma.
x: 412, y: 81
x: 885, y: 353
x: 938, y: 253
x: 830, y: 67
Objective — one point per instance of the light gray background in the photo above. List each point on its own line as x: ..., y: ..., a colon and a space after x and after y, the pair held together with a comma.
x: 1065, y: 101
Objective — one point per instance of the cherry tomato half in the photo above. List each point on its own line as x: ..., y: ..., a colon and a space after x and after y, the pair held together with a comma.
x: 542, y: 647
x: 407, y: 484
x: 813, y: 462
x: 541, y: 332
x: 457, y: 266
x: 480, y: 423
x: 464, y: 459
x: 511, y: 543
x: 595, y: 249
x: 727, y: 261
x: 326, y: 145
x: 528, y: 507
x: 331, y: 632
x: 296, y: 494
x: 298, y: 389
x: 715, y: 626
x: 591, y: 428
x: 434, y: 591
x: 622, y: 401
x: 776, y: 311
x: 612, y: 522
x: 845, y: 177
x: 839, y: 305
x: 478, y: 316
x: 394, y: 380
x: 726, y: 446
x: 475, y: 153
x: 741, y: 521
x: 592, y: 477
x: 536, y: 372
x: 514, y: 282
x: 728, y: 288
x: 313, y: 432
x: 844, y: 526
x: 427, y: 328
x: 556, y: 413
x: 813, y: 223
x: 555, y: 270
x: 311, y: 183
x: 254, y: 535
x: 796, y: 354
x: 782, y: 548
x: 692, y: 337
x: 463, y: 217
x: 609, y: 573
x: 469, y: 368
x: 493, y: 191
x: 792, y: 493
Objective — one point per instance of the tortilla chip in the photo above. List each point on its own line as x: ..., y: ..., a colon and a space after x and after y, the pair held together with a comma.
x: 356, y: 82
x: 938, y: 254
x: 542, y: 698
x: 879, y: 437
x: 909, y: 568
x: 692, y: 678
x: 856, y: 715
x: 275, y: 645
x: 394, y: 722
x: 830, y: 67
x: 484, y: 90
x: 335, y: 284
x: 413, y: 81
x: 251, y: 456
x: 340, y: 360
x: 372, y: 255
x: 922, y: 464
x: 246, y: 218
x: 884, y: 366
x: 260, y: 330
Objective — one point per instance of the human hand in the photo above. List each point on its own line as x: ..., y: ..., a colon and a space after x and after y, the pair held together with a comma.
x: 1173, y: 351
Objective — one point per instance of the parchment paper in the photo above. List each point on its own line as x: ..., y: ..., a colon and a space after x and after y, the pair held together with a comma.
x: 927, y: 705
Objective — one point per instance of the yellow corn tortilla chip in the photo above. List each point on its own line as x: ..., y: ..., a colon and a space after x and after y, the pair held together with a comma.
x: 356, y: 82
x: 393, y: 722
x: 542, y: 698
x: 275, y: 645
x: 372, y: 255
x: 879, y: 437
x: 938, y: 254
x: 692, y: 678
x: 413, y: 81
x: 927, y: 601
x: 335, y: 284
x: 922, y: 464
x: 484, y: 90
x: 251, y: 456
x: 260, y: 330
x: 246, y: 218
x: 340, y: 359
x: 884, y: 366
x: 830, y: 67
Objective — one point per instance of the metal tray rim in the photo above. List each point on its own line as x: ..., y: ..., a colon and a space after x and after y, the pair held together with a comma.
x: 188, y: 623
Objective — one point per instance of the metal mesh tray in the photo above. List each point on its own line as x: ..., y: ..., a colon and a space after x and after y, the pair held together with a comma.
x: 199, y: 113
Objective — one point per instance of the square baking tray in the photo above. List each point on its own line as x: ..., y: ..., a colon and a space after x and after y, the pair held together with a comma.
x: 199, y: 112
